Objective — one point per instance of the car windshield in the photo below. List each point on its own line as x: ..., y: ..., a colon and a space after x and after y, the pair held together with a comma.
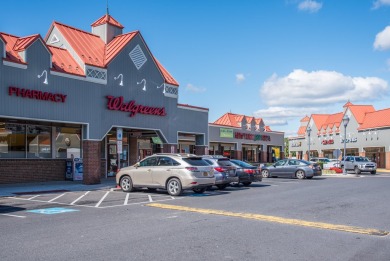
x: 361, y: 159
x: 196, y: 161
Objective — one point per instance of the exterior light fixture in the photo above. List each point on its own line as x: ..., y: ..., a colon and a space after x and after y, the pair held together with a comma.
x: 143, y: 81
x: 163, y: 86
x: 345, y: 123
x: 44, y: 73
x: 119, y: 76
x: 308, y: 131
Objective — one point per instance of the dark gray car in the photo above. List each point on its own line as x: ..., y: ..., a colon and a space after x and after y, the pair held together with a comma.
x: 291, y: 168
x: 224, y: 170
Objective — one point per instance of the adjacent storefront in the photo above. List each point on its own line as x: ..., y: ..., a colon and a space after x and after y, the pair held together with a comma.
x: 245, y: 138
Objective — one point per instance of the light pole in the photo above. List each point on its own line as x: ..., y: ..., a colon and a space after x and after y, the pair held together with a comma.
x: 308, y: 130
x: 345, y: 123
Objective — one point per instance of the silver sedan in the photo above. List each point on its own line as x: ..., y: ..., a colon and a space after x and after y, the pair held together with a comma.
x: 291, y: 168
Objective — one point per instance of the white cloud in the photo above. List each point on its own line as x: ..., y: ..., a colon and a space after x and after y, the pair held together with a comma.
x: 318, y: 88
x: 284, y: 112
x: 193, y: 88
x: 382, y: 39
x: 378, y: 3
x: 240, y: 78
x: 310, y: 6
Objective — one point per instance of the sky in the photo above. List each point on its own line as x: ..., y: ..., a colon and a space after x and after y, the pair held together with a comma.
x: 278, y: 60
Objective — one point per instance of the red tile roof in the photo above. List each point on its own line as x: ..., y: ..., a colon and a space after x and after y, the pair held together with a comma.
x: 24, y: 42
x: 302, y: 131
x: 267, y: 128
x: 234, y: 120
x: 167, y: 76
x: 376, y: 119
x: 89, y: 47
x: 305, y: 119
x: 347, y: 104
x: 107, y: 19
x: 11, y: 54
x: 359, y: 111
x: 116, y: 45
x: 319, y: 119
x: 63, y: 62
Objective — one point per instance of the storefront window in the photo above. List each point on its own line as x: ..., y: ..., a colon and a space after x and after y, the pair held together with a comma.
x: 68, y: 142
x: 38, y: 141
x: 12, y: 140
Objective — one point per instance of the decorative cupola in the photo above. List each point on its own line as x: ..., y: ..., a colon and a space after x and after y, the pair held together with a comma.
x: 107, y: 28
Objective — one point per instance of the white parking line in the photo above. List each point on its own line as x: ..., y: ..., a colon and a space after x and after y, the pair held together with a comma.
x: 101, y: 200
x: 33, y: 197
x: 9, y: 215
x: 150, y: 198
x: 126, y: 199
x: 79, y: 198
x: 51, y: 200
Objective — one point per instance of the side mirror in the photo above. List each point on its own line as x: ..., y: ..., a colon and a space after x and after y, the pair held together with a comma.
x: 136, y: 165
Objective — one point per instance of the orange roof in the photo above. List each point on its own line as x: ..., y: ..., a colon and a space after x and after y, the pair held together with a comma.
x: 347, y: 104
x: 376, y: 119
x: 319, y: 119
x: 10, y: 53
x: 64, y: 62
x: 233, y: 120
x: 267, y: 128
x: 258, y: 120
x: 107, y: 19
x: 168, y: 78
x: 302, y: 131
x: 306, y: 118
x: 89, y: 47
x: 24, y: 42
x: 359, y: 111
x: 248, y: 119
x: 117, y: 44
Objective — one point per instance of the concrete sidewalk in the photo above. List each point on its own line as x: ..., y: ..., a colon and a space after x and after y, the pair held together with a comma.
x: 8, y: 190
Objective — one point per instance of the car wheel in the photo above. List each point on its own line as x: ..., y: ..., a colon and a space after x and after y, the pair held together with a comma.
x: 174, y: 187
x: 199, y: 190
x: 222, y: 186
x: 300, y: 174
x: 357, y: 170
x: 126, y: 184
x: 373, y: 172
x: 247, y: 183
x: 265, y: 173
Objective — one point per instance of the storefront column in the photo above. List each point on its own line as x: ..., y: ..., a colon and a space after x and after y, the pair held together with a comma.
x: 238, y: 154
x: 321, y: 154
x: 263, y: 156
x: 91, y: 162
x: 362, y: 153
x: 387, y: 160
x: 133, y: 150
x: 169, y: 148
x: 201, y: 150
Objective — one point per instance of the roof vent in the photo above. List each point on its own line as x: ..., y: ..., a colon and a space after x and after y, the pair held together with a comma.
x: 138, y: 57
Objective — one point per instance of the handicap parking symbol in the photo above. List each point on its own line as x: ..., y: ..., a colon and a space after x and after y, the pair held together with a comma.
x: 50, y: 211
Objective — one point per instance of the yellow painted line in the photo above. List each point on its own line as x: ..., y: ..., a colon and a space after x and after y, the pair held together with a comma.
x: 288, y: 221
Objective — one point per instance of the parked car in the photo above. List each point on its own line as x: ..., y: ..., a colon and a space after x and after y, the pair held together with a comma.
x: 173, y: 172
x: 326, y: 162
x: 358, y: 164
x: 247, y: 173
x: 224, y: 170
x: 292, y: 168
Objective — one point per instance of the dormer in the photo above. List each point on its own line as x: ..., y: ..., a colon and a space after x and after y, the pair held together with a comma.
x: 2, y: 47
x: 107, y: 28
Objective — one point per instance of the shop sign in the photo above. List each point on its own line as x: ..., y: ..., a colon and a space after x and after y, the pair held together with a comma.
x: 254, y: 137
x: 117, y: 104
x: 37, y: 95
x: 349, y: 140
x: 327, y: 142
x: 296, y: 144
x: 225, y: 133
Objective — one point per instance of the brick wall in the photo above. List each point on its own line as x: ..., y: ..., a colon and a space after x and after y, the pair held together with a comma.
x: 31, y: 170
x: 91, y: 162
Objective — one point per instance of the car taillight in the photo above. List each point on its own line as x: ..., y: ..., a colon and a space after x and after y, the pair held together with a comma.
x: 192, y: 168
x: 219, y: 169
x: 249, y: 171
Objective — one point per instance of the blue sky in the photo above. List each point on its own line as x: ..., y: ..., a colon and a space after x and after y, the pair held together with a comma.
x: 275, y: 59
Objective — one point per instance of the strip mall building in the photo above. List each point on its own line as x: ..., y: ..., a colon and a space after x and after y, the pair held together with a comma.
x: 82, y: 95
x: 367, y: 134
x: 100, y: 96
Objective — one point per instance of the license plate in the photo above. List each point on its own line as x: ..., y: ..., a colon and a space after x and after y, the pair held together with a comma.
x: 205, y: 174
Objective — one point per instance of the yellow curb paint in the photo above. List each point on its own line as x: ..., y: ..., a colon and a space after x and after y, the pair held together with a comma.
x: 288, y: 221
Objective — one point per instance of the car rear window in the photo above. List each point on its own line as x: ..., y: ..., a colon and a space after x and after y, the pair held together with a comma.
x: 225, y: 162
x: 196, y: 162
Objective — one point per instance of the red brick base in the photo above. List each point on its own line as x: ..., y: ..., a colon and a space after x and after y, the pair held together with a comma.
x: 31, y: 170
x: 91, y: 162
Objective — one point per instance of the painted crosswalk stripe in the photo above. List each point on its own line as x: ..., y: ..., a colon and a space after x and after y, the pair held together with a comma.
x: 289, y: 221
x: 126, y: 199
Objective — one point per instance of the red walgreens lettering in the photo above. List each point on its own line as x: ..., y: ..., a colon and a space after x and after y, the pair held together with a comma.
x: 37, y: 95
x: 117, y: 104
